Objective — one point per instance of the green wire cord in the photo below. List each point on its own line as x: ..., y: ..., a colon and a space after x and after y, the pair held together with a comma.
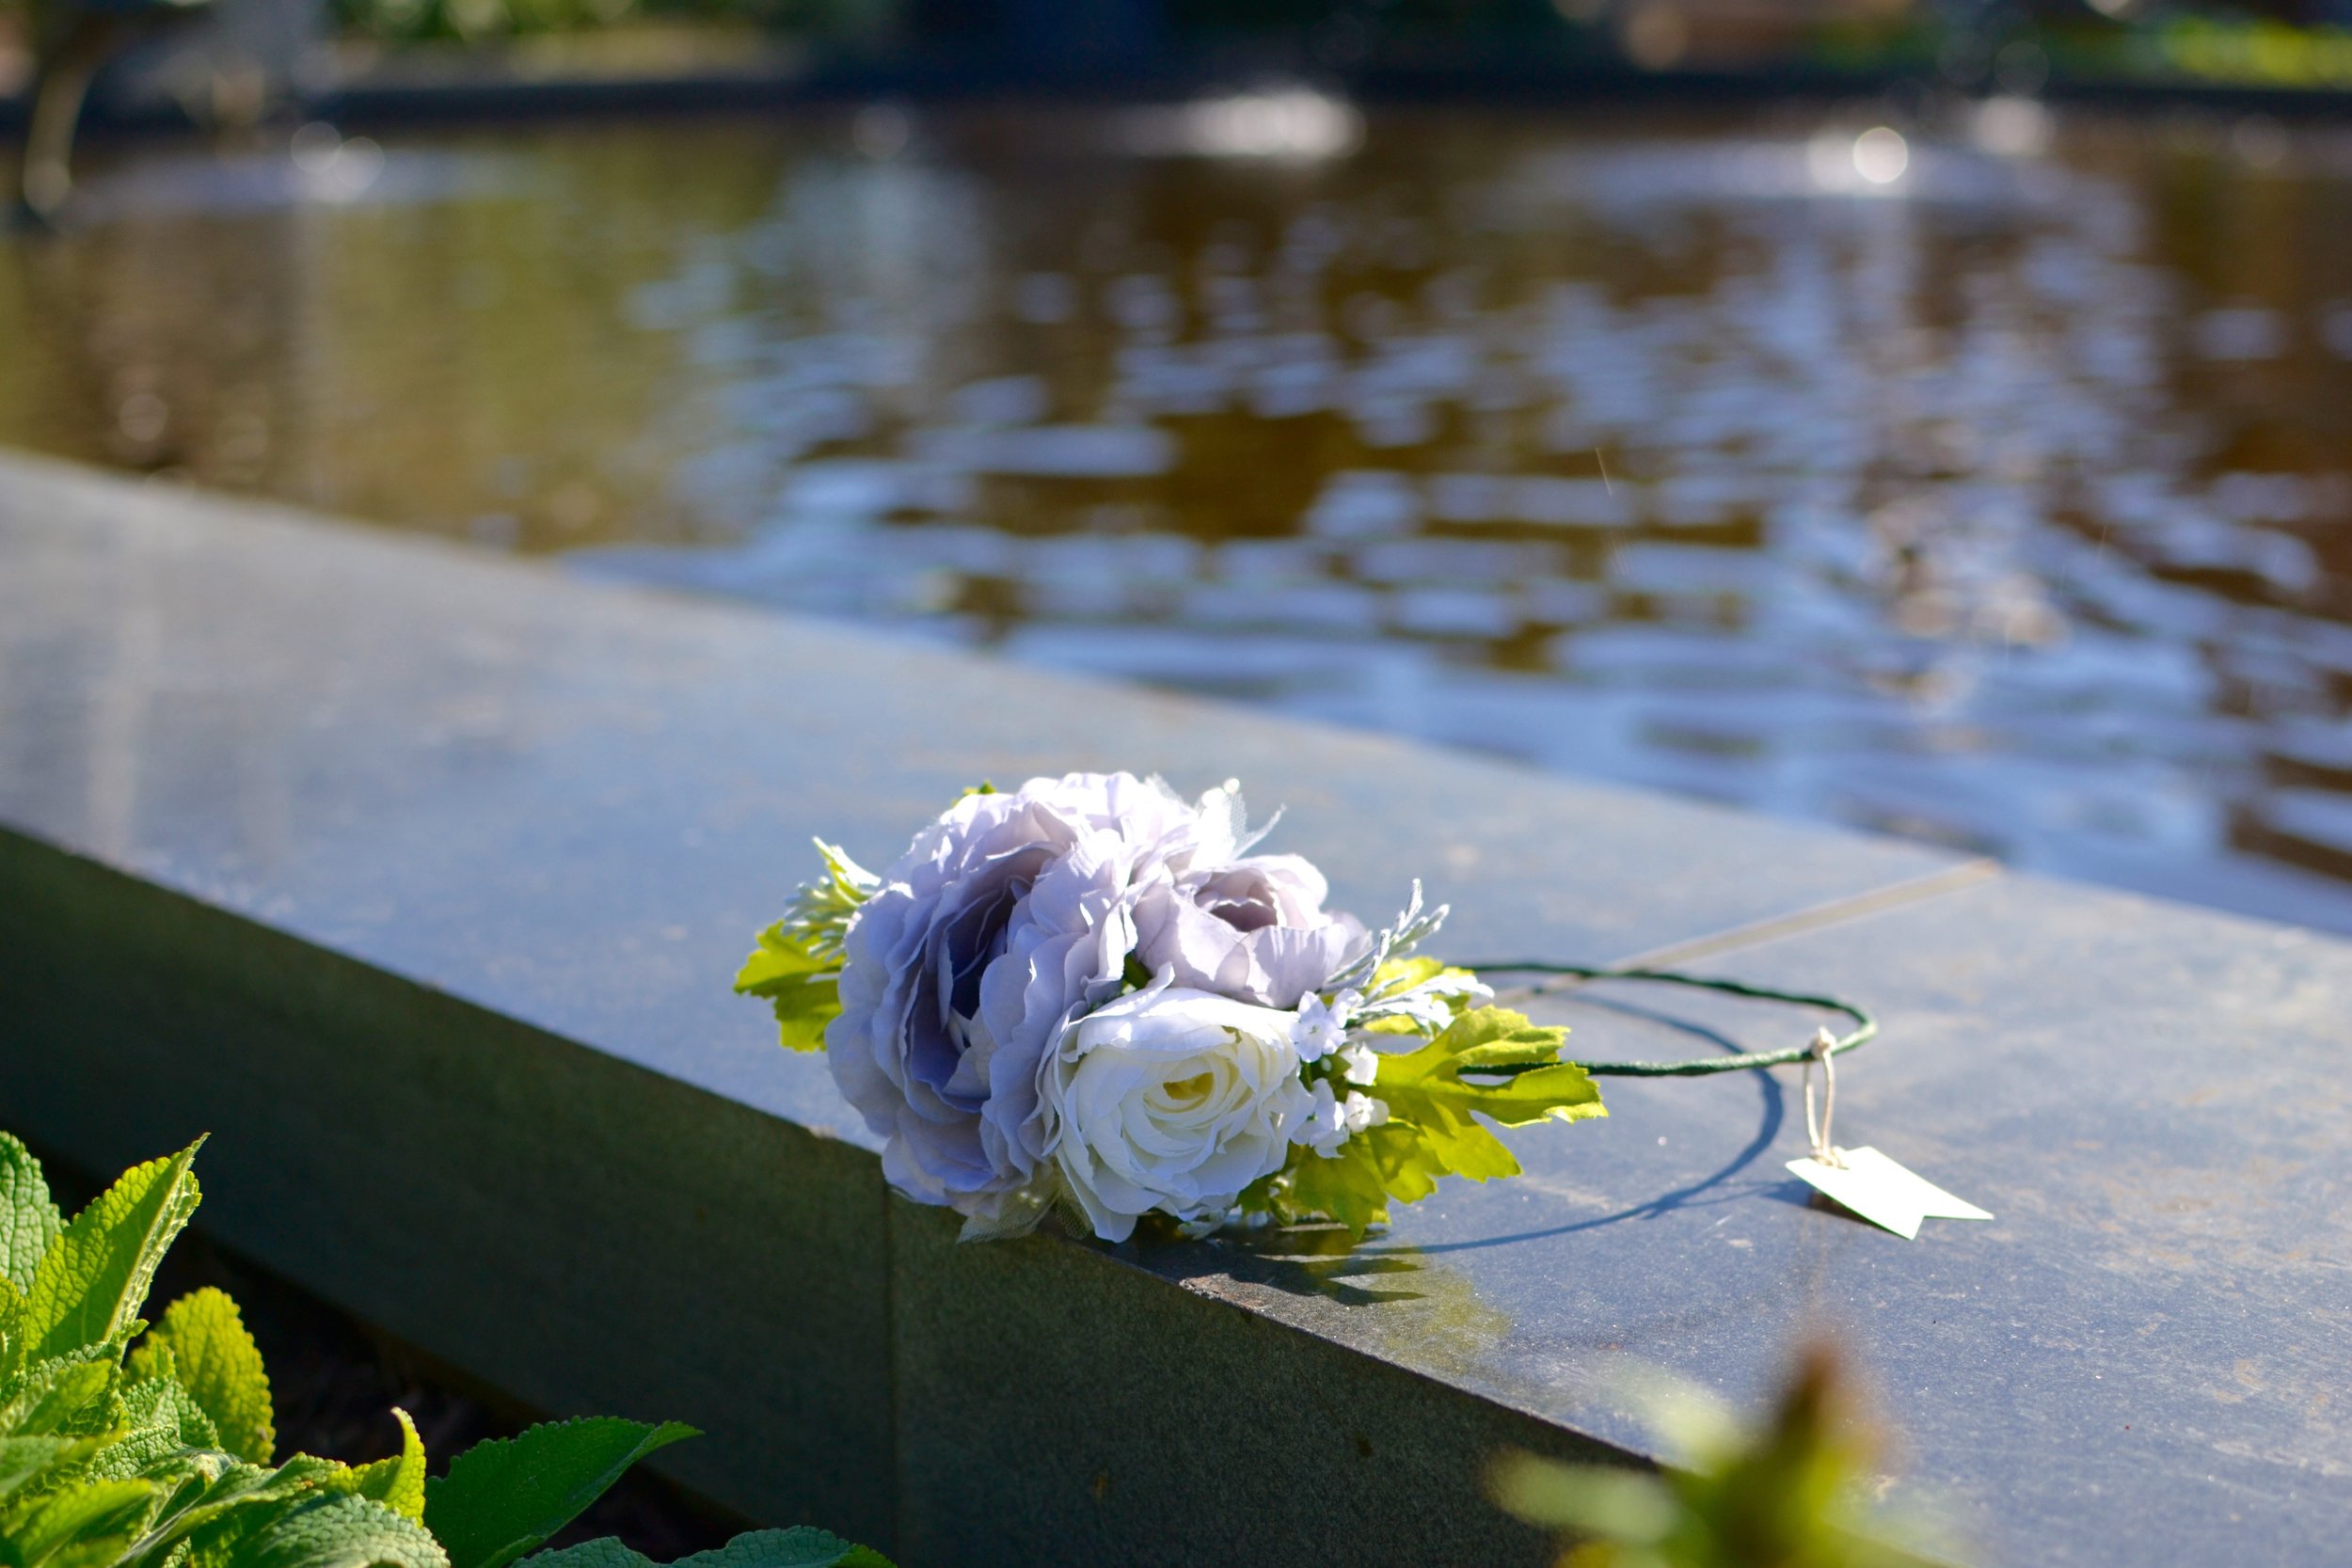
x: 1865, y: 1028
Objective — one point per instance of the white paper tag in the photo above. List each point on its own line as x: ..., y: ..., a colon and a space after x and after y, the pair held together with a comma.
x: 1883, y: 1192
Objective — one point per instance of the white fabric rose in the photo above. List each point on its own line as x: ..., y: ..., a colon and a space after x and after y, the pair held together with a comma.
x: 1172, y: 1099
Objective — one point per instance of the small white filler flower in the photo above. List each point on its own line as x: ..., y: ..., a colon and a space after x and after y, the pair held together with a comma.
x: 1323, y: 1025
x: 1331, y: 1120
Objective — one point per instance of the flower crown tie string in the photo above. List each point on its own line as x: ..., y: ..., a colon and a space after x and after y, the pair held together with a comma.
x: 1824, y: 1050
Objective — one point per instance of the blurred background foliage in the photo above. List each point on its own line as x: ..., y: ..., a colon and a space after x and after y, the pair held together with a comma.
x: 2005, y: 45
x: 473, y: 21
x: 2000, y: 45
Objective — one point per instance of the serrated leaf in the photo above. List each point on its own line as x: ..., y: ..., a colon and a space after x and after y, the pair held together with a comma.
x: 1408, y: 1161
x: 398, y: 1483
x: 1434, y: 1128
x: 76, y: 1526
x: 1402, y: 975
x: 158, y: 1419
x: 26, y: 1462
x: 605, y: 1551
x: 337, y: 1531
x: 11, y: 1327
x: 91, y: 1282
x: 68, y: 1396
x: 802, y: 987
x: 220, y: 1367
x: 505, y: 1497
x: 29, y: 1221
x: 802, y: 1546
x: 229, y: 1500
x: 1346, y: 1187
x: 1425, y: 1090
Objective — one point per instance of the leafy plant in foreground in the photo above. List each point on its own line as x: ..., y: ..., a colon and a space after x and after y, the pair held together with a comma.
x: 1789, y: 1494
x: 129, y: 1446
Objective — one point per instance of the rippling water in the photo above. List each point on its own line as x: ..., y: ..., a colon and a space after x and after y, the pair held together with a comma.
x: 1998, y: 500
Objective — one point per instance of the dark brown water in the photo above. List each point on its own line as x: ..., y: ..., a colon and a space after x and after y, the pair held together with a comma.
x: 2001, y: 501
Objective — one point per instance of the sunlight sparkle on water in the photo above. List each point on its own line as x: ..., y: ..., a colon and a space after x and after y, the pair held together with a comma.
x: 1298, y: 124
x: 1881, y: 155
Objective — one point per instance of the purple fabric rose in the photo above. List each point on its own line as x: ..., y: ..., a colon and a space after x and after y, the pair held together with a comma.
x: 1005, y: 919
x: 1253, y: 929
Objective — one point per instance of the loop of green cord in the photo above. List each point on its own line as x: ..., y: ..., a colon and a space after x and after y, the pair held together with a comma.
x: 1865, y: 1028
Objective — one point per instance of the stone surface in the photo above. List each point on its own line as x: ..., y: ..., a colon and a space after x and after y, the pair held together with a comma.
x: 418, y: 876
x: 584, y: 1234
x: 2143, y: 1360
x: 573, y: 803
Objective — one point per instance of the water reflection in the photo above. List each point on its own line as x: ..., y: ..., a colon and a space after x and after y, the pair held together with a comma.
x: 1979, y: 483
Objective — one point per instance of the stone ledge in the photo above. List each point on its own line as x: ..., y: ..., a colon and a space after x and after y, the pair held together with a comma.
x: 418, y: 875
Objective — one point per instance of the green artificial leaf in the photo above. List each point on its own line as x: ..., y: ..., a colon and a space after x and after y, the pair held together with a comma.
x: 1402, y: 975
x: 221, y: 1365
x: 1426, y: 1089
x: 398, y: 1483
x: 797, y: 982
x: 802, y: 1547
x: 505, y: 1497
x: 76, y: 1526
x: 797, y: 965
x: 1515, y: 1076
x: 1346, y: 1187
x: 91, y: 1282
x: 336, y: 1530
x: 29, y: 1222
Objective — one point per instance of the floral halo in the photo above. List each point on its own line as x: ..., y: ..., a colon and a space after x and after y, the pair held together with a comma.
x: 1090, y: 994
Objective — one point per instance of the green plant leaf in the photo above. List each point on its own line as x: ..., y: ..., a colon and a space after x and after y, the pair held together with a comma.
x: 398, y: 1483
x: 70, y: 1396
x: 29, y: 1222
x: 220, y: 1367
x: 76, y: 1526
x: 1794, y: 1491
x: 158, y: 1419
x: 801, y: 985
x: 219, y: 1500
x: 605, y: 1551
x: 337, y: 1531
x: 91, y: 1282
x: 32, y: 1461
x: 802, y: 1547
x: 505, y: 1497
